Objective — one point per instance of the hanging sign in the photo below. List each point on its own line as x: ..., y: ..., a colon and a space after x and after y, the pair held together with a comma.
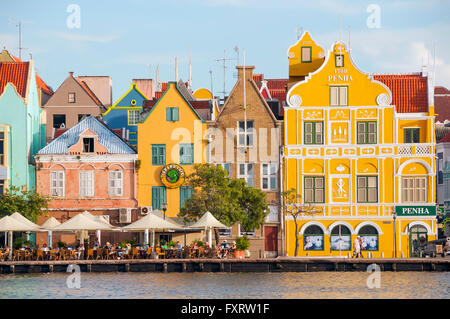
x: 172, y: 175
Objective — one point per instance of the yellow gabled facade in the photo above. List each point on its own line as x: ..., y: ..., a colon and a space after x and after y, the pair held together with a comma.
x: 345, y: 154
x: 170, y: 133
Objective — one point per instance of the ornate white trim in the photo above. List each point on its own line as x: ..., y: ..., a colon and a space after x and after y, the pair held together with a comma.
x: 311, y: 223
x: 418, y: 223
x: 368, y: 224
x: 295, y: 100
x: 330, y: 228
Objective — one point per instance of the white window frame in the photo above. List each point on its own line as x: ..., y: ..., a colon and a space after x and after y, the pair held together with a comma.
x: 339, y: 94
x: 245, y: 176
x: 272, y: 172
x: 406, y: 199
x: 246, y: 134
x: 58, y: 176
x: 87, y: 182
x: 223, y: 166
x: 133, y: 117
x: 115, y: 184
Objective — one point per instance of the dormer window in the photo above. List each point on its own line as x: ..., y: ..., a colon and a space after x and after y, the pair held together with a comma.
x: 88, y: 145
x: 306, y: 54
x: 71, y: 97
x: 339, y: 59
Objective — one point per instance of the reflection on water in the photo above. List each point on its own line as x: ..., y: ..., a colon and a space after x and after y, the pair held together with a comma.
x: 228, y: 285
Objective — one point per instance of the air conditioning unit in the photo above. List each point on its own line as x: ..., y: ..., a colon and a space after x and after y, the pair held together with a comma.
x: 145, y: 210
x: 124, y: 215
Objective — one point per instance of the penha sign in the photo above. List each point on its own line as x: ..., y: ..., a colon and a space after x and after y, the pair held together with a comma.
x: 415, y: 210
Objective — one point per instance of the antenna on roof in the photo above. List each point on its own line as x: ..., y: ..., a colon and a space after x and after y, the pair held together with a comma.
x: 176, y: 69
x: 236, y: 49
x: 19, y: 24
x: 157, y: 84
x: 349, y: 37
x: 224, y: 60
x: 299, y: 32
x: 190, y: 70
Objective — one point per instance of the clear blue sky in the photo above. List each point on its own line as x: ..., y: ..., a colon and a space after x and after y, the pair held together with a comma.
x: 122, y: 38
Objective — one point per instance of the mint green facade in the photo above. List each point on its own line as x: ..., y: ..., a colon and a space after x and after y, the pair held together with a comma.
x: 20, y: 120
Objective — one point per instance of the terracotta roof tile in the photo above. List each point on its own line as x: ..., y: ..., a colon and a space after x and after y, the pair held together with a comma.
x: 442, y: 108
x: 441, y: 90
x: 16, y: 73
x: 200, y: 104
x: 39, y: 82
x: 409, y: 91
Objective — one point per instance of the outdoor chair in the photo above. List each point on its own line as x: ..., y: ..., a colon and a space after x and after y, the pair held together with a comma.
x: 99, y: 253
x: 201, y: 252
x: 126, y: 255
x: 134, y: 253
x: 149, y: 252
x: 53, y: 255
x: 39, y: 255
x: 90, y: 254
x: 160, y: 252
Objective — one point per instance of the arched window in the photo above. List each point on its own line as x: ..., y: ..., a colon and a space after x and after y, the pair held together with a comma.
x: 313, y: 238
x: 418, y: 236
x: 369, y: 237
x: 340, y: 238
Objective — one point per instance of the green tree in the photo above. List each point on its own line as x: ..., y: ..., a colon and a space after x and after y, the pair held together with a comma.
x: 294, y: 208
x: 28, y: 203
x: 229, y: 200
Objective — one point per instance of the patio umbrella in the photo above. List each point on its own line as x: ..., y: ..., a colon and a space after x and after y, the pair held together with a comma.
x: 151, y: 221
x: 208, y: 221
x: 49, y: 224
x: 101, y: 220
x: 24, y: 220
x: 10, y: 224
x: 81, y: 222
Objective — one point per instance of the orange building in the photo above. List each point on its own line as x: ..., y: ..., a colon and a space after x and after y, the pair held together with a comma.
x: 88, y: 168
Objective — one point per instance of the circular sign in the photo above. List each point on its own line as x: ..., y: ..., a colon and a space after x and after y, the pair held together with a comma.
x: 172, y: 175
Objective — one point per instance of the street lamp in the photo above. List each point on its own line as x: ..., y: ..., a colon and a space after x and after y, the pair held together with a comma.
x: 394, y: 215
x: 164, y: 208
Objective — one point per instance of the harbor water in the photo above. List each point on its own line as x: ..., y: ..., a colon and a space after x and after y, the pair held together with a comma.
x: 227, y: 285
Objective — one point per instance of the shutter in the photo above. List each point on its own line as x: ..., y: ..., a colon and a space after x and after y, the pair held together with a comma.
x: 343, y: 100
x: 334, y: 95
x: 168, y: 114
x: 175, y: 112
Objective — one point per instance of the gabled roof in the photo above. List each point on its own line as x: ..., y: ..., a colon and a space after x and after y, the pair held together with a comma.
x: 5, y: 56
x: 15, y: 73
x: 277, y: 89
x: 409, y: 91
x: 89, y: 92
x: 108, y: 138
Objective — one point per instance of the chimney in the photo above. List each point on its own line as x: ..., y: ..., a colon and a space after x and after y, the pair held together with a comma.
x: 248, y: 72
x: 71, y: 74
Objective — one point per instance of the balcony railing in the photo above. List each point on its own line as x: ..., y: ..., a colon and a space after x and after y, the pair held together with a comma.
x: 414, y: 149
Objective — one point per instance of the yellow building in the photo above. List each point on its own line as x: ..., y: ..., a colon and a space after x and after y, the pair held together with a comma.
x: 361, y: 156
x: 170, y: 141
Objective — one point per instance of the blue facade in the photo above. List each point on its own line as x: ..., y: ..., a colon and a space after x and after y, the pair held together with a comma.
x: 20, y: 123
x: 126, y: 112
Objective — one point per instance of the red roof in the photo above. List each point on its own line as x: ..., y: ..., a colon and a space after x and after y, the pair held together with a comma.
x: 60, y: 131
x: 441, y: 90
x: 445, y: 139
x: 409, y: 91
x: 200, y: 104
x: 258, y: 77
x: 89, y: 91
x: 15, y: 73
x: 39, y: 82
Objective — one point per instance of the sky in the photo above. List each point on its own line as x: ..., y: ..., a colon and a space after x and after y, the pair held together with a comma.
x: 129, y: 39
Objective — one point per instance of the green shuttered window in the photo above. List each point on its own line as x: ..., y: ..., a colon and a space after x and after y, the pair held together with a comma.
x: 185, y: 193
x: 158, y: 154
x: 172, y: 114
x: 187, y: 154
x: 158, y: 196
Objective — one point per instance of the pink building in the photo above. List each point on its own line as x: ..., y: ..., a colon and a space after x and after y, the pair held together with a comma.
x: 90, y: 168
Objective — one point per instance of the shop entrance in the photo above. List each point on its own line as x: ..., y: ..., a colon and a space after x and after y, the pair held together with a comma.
x: 418, y: 237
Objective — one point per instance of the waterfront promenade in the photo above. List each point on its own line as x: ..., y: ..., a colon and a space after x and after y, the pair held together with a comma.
x: 282, y: 264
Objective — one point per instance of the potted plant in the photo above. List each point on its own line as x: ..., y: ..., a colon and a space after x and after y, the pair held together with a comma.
x: 172, y: 243
x: 242, y: 244
x: 61, y: 244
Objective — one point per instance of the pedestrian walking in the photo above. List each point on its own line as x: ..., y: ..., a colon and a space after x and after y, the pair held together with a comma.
x: 356, y: 248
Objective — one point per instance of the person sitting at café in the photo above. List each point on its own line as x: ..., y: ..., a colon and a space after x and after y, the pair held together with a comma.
x: 179, y: 249
x: 219, y: 252
x: 80, y: 251
x: 107, y: 245
x: 164, y: 245
x: 233, y: 247
x: 44, y: 248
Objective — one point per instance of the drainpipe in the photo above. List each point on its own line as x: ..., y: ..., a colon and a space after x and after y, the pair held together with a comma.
x: 280, y: 169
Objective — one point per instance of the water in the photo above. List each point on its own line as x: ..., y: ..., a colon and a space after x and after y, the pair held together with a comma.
x: 228, y: 285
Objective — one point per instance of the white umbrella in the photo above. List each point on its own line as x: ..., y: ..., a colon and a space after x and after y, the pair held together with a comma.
x: 208, y: 221
x: 49, y: 224
x: 151, y: 221
x: 101, y: 220
x: 19, y: 217
x: 10, y: 224
x: 81, y: 222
